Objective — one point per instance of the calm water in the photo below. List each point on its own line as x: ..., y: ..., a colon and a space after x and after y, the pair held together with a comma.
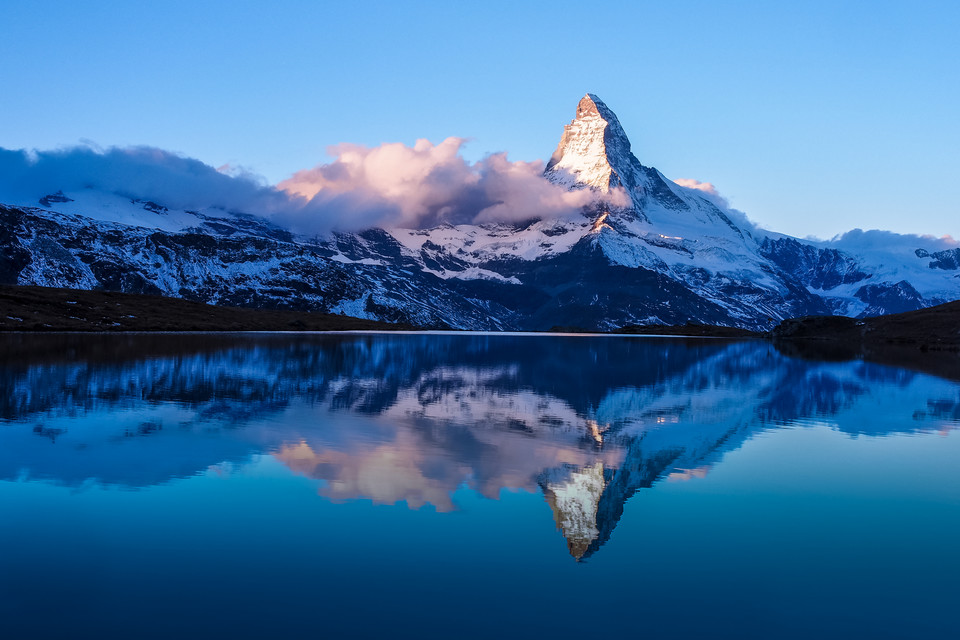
x: 440, y: 486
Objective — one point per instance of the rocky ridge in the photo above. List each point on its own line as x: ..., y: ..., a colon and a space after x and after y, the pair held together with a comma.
x: 649, y: 251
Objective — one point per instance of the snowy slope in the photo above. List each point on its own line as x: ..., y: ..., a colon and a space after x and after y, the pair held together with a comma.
x: 694, y: 240
x: 648, y: 250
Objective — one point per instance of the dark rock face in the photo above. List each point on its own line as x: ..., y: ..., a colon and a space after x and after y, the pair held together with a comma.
x: 584, y: 289
x: 14, y: 258
x: 153, y: 207
x: 815, y: 267
x: 890, y: 298
x: 48, y: 200
x: 947, y: 260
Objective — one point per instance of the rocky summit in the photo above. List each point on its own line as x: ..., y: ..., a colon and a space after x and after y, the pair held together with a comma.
x: 647, y: 251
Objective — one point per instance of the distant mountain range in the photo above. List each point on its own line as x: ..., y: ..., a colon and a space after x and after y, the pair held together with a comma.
x: 648, y: 251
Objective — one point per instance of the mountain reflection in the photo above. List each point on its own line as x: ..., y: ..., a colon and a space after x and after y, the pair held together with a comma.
x: 413, y: 418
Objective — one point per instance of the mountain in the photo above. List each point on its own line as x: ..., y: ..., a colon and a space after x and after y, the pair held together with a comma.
x: 647, y: 251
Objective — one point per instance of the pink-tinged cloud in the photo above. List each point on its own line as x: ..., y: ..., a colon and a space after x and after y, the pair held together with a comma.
x: 391, y: 185
x: 706, y: 187
x: 709, y: 191
x: 394, y: 185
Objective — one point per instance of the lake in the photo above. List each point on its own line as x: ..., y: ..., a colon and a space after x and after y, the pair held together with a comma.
x: 471, y: 486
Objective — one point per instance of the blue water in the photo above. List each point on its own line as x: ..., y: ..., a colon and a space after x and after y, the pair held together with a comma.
x: 459, y: 486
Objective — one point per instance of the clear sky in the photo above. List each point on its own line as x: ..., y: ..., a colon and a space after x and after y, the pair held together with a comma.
x: 812, y: 117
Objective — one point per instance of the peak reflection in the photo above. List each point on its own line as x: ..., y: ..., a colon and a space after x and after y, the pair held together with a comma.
x: 412, y: 418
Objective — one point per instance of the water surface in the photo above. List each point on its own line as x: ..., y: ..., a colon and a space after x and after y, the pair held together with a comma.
x: 471, y: 486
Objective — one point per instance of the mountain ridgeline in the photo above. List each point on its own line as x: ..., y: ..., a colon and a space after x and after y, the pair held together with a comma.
x: 648, y: 251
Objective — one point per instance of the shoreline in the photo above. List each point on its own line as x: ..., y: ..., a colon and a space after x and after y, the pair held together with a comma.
x: 40, y: 310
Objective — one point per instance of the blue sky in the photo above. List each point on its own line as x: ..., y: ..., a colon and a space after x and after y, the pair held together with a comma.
x: 812, y: 117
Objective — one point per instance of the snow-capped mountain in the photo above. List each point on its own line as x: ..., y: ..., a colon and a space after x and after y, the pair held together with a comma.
x: 647, y: 251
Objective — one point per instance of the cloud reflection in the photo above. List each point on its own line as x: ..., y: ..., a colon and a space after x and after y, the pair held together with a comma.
x: 413, y: 418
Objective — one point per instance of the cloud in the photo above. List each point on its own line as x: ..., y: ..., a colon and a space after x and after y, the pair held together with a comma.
x: 394, y: 185
x: 690, y: 183
x: 405, y: 465
x: 144, y: 173
x: 706, y: 189
x: 890, y: 241
x: 709, y: 190
x: 391, y: 185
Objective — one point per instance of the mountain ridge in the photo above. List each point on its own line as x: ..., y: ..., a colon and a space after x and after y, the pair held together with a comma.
x: 647, y: 251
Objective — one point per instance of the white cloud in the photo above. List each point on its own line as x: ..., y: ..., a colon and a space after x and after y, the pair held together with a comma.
x: 391, y: 185
x: 394, y: 185
x: 137, y: 172
x: 706, y: 187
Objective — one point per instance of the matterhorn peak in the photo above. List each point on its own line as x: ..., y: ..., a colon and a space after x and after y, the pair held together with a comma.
x: 594, y: 150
